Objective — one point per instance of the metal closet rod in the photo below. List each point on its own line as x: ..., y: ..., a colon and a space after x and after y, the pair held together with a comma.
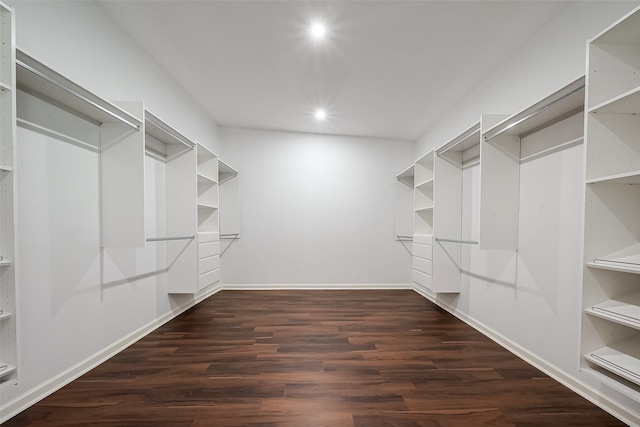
x: 535, y: 113
x: 468, y: 242
x: 230, y: 236
x: 399, y: 237
x: 76, y: 94
x: 163, y: 239
x: 450, y: 145
x: 169, y: 132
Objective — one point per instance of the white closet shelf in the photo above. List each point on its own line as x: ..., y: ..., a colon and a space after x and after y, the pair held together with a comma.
x: 622, y: 359
x: 424, y: 208
x: 5, y: 87
x: 567, y: 101
x: 4, y: 262
x: 626, y: 103
x: 6, y: 369
x: 5, y: 168
x: 624, y: 310
x: 207, y: 206
x: 407, y: 176
x: 203, y: 179
x: 35, y: 77
x: 225, y: 172
x: 623, y: 178
x: 425, y: 183
x: 164, y: 133
x: 5, y: 315
x: 462, y: 142
x: 625, y: 260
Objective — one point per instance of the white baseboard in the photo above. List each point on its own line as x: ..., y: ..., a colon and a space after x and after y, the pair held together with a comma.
x: 320, y: 286
x: 33, y: 396
x: 622, y: 413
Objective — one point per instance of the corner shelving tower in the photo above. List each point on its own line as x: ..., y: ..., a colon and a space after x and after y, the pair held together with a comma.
x: 423, y: 221
x: 8, y: 300
x: 611, y: 288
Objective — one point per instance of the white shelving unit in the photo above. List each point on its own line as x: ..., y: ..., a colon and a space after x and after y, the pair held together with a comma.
x: 423, y: 221
x: 611, y: 288
x: 500, y: 153
x: 208, y: 218
x: 8, y: 291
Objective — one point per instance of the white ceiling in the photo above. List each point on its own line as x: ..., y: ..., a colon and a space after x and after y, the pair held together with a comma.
x: 389, y: 69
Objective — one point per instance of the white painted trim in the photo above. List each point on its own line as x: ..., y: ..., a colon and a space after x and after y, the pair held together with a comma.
x: 624, y: 414
x: 314, y: 286
x: 33, y: 396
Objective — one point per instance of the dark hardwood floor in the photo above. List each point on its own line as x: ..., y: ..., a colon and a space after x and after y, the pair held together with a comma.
x: 314, y: 358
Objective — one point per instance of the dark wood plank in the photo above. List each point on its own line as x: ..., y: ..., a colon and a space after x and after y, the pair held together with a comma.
x: 314, y: 358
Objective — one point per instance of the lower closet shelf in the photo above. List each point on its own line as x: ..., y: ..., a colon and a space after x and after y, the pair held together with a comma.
x: 624, y: 310
x: 622, y: 359
x: 6, y: 369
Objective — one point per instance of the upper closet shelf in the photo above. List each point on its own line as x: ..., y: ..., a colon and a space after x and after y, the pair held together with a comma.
x: 162, y: 140
x: 626, y: 103
x: 34, y: 77
x: 564, y: 103
x: 466, y: 140
x: 225, y: 172
x: 407, y: 176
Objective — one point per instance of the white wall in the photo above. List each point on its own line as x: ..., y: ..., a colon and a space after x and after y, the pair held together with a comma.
x: 531, y: 299
x: 78, y: 303
x: 315, y: 209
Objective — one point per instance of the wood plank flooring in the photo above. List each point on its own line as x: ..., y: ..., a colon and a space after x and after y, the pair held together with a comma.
x: 314, y: 358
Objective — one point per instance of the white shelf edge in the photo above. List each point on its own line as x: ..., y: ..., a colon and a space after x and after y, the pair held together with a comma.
x: 622, y: 365
x: 614, y: 267
x: 622, y: 178
x: 425, y: 182
x: 611, y: 103
x: 4, y: 168
x: 425, y: 208
x: 207, y: 206
x: 206, y: 178
x: 5, y: 87
x: 5, y: 263
x: 6, y: 371
x: 6, y: 315
x: 624, y: 310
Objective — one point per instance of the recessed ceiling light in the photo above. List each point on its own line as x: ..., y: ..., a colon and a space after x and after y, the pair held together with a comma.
x: 318, y: 31
x: 320, y: 115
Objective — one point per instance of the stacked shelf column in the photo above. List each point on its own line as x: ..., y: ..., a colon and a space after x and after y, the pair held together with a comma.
x: 8, y: 300
x: 208, y: 219
x: 611, y: 289
x: 423, y: 221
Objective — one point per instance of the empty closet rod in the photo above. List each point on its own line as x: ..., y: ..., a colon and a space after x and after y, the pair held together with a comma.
x: 163, y: 239
x: 468, y: 242
x: 169, y: 132
x: 535, y: 113
x: 467, y: 135
x: 76, y: 94
x: 230, y: 236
